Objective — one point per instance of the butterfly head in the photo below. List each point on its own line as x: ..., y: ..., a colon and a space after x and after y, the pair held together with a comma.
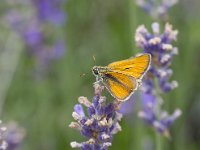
x: 100, y: 71
x: 95, y: 70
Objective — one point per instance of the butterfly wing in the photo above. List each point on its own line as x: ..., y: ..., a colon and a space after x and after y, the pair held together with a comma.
x: 119, y: 85
x: 134, y: 67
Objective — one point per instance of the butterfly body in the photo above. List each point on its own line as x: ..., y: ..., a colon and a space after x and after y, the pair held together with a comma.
x: 122, y: 78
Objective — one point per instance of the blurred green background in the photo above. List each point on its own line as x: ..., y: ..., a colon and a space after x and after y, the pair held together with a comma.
x: 104, y: 29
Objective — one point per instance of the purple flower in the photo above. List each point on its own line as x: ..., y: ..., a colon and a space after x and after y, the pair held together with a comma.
x: 58, y: 49
x: 14, y: 135
x: 32, y: 35
x: 162, y: 52
x: 99, y: 125
x: 50, y: 11
x: 156, y: 8
x: 32, y: 29
x: 79, y: 110
x: 156, y: 81
x: 156, y: 118
x: 128, y: 106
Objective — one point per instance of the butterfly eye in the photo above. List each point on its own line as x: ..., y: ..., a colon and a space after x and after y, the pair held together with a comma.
x: 95, y: 71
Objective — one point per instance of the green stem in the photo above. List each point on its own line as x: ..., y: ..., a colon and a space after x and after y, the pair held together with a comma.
x: 158, y: 142
x: 132, y: 20
x: 139, y: 130
x: 9, y: 59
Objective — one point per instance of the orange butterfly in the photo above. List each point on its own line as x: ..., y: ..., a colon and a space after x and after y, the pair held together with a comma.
x: 122, y: 78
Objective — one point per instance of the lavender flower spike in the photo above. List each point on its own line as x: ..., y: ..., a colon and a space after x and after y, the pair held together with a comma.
x: 156, y: 8
x: 160, y: 122
x: 14, y: 135
x: 99, y: 125
x: 159, y: 45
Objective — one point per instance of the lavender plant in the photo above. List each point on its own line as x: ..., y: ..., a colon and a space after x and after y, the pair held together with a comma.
x: 11, y: 136
x: 156, y: 8
x: 157, y: 81
x: 14, y: 135
x: 100, y: 123
x: 162, y: 52
x: 36, y: 29
x: 50, y: 11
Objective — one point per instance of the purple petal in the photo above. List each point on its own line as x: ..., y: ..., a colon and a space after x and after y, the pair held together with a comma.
x: 128, y: 106
x: 148, y: 99
x: 79, y: 110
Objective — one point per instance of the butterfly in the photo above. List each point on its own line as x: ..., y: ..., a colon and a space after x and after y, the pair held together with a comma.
x: 122, y: 78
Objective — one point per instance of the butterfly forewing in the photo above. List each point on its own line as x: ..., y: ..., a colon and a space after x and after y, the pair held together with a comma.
x: 135, y: 66
x: 120, y: 86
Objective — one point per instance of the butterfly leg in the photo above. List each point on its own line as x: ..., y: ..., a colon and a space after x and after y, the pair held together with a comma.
x: 139, y: 81
x: 98, y: 80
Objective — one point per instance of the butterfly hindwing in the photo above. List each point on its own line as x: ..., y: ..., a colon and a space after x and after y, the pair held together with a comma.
x: 119, y: 85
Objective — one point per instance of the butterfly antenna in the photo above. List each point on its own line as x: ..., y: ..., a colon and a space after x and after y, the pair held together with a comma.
x: 94, y: 59
x: 83, y: 74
